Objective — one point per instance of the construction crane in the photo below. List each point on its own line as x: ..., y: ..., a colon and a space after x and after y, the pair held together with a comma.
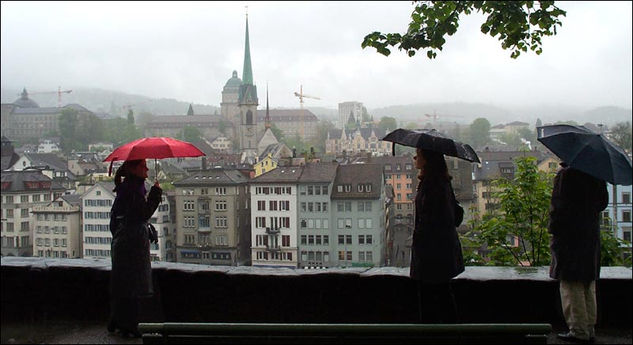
x: 58, y: 92
x: 301, y: 96
x: 435, y: 116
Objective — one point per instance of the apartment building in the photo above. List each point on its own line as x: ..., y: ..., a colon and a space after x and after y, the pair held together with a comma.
x: 213, y: 218
x: 358, y: 214
x: 274, y: 217
x: 314, y: 215
x: 21, y: 191
x: 96, y: 205
x: 58, y: 228
x: 619, y: 211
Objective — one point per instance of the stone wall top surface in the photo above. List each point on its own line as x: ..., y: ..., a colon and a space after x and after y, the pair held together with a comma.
x: 482, y: 273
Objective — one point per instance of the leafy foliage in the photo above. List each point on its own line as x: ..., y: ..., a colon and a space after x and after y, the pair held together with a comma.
x: 479, y: 132
x: 621, y: 135
x: 190, y: 133
x: 517, y: 234
x: 388, y: 123
x: 519, y: 24
x: 323, y: 127
x: 77, y: 130
x: 612, y: 249
x: 119, y: 131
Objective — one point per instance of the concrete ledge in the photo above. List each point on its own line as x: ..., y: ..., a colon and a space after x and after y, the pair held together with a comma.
x: 37, y: 289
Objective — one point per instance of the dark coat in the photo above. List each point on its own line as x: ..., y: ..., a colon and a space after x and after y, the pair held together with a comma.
x: 577, y: 200
x: 436, y: 253
x: 131, y: 268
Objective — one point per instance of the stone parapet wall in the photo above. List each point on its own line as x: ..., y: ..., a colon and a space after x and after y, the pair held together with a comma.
x: 39, y: 289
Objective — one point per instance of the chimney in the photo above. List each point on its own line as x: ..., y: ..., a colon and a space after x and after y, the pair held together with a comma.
x: 204, y: 163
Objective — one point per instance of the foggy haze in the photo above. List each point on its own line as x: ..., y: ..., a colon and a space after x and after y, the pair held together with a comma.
x: 188, y: 50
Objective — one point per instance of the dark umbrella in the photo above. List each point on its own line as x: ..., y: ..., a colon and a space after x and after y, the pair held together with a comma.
x: 430, y: 139
x: 154, y: 147
x: 588, y: 152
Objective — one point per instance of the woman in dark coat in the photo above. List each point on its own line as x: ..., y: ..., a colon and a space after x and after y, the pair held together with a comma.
x: 577, y: 200
x: 131, y: 270
x: 436, y: 253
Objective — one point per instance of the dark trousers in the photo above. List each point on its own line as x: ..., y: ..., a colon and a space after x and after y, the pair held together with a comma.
x: 436, y: 303
x: 124, y: 313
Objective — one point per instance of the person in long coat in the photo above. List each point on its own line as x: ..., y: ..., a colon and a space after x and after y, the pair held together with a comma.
x: 577, y: 200
x: 130, y: 277
x: 436, y: 252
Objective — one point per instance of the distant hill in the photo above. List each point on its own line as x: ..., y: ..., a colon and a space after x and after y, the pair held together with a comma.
x: 455, y: 112
x: 465, y: 113
x: 113, y: 102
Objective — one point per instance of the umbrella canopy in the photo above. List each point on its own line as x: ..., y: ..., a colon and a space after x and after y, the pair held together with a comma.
x: 430, y: 139
x: 588, y: 152
x: 154, y: 147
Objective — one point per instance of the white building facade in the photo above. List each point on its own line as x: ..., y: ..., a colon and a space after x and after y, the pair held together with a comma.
x: 619, y: 211
x: 274, y: 218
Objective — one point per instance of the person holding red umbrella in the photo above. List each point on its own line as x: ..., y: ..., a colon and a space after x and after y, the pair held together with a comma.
x: 130, y: 277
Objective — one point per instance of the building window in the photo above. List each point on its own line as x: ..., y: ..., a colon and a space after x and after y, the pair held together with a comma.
x: 626, y: 215
x: 188, y: 205
x: 24, y: 198
x: 220, y: 205
x: 626, y: 198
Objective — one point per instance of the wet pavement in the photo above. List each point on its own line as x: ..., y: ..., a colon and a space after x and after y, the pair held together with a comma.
x: 92, y: 333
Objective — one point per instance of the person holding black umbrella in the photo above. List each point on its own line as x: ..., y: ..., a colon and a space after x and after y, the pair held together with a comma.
x: 130, y: 278
x: 577, y: 200
x: 589, y: 160
x: 436, y: 253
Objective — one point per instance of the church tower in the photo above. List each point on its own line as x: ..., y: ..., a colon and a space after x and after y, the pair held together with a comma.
x: 247, y: 102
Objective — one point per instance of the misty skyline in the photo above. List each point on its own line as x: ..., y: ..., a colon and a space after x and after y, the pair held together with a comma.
x: 187, y: 51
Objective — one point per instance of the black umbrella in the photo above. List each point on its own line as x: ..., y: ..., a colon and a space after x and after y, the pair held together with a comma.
x: 432, y: 140
x: 588, y: 152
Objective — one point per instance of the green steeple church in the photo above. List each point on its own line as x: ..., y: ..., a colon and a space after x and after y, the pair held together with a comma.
x: 248, y: 91
x: 247, y: 103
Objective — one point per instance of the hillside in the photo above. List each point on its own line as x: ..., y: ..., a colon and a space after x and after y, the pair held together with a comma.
x: 113, y: 102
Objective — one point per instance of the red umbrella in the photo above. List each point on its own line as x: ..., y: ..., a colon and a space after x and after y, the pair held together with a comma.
x: 154, y: 147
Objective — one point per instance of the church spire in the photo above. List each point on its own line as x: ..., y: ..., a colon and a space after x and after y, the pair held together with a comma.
x: 267, y: 121
x: 247, y: 73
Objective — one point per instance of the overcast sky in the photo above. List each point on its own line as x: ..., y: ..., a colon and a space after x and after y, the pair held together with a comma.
x: 188, y: 50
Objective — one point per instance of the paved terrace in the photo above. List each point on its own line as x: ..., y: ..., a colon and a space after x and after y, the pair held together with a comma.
x: 66, y: 300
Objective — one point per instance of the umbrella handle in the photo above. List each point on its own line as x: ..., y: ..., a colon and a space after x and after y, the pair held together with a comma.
x: 156, y: 170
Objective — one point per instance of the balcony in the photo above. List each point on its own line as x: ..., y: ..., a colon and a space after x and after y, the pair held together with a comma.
x: 272, y: 231
x: 67, y: 300
x: 272, y: 248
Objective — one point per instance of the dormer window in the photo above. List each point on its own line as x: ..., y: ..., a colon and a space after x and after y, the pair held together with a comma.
x: 360, y: 188
x: 348, y: 188
x: 368, y: 187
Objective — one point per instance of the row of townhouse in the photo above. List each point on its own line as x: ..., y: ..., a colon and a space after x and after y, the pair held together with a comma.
x: 313, y: 215
x: 40, y: 219
x: 319, y: 215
